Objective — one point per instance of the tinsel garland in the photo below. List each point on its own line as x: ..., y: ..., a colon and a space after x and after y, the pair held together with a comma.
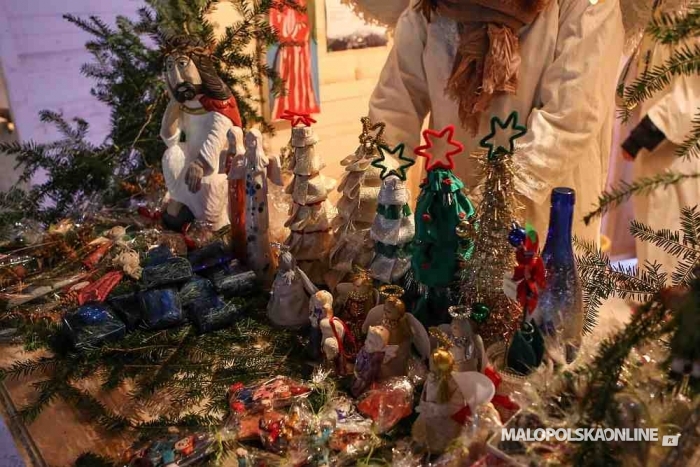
x: 493, y: 257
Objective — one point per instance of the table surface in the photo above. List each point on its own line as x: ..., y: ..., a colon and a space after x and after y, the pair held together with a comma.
x: 60, y: 434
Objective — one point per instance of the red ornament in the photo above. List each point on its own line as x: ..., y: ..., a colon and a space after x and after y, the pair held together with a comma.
x: 447, y: 181
x: 462, y: 215
x: 425, y: 265
x: 426, y: 217
x: 297, y: 118
x: 238, y: 407
x: 235, y: 387
x: 443, y: 161
x: 98, y: 290
x: 530, y: 272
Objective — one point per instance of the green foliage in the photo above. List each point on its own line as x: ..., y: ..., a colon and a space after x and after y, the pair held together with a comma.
x: 622, y: 192
x: 691, y: 146
x: 127, y: 68
x: 671, y: 28
x: 685, y: 60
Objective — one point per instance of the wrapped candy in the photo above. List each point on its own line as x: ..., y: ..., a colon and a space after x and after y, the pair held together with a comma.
x: 278, y: 392
x: 172, y: 271
x: 173, y: 450
x: 387, y: 402
x: 91, y: 325
x: 161, y: 308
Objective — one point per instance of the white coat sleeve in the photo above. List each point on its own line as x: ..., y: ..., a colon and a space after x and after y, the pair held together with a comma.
x: 401, y: 98
x: 576, y: 98
x: 216, y: 141
x: 674, y: 112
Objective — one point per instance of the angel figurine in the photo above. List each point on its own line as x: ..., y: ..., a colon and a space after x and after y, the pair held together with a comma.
x: 291, y: 289
x: 464, y: 344
x: 355, y: 299
x: 328, y: 333
x: 256, y: 168
x: 448, y: 398
x: 370, y: 359
x: 403, y: 327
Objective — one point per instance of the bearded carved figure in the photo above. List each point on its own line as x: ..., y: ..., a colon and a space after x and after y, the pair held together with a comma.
x: 196, y: 125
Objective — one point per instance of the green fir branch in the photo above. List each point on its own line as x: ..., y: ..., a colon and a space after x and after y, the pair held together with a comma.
x: 671, y: 28
x: 641, y: 187
x: 691, y: 146
x: 685, y: 60
x: 669, y: 241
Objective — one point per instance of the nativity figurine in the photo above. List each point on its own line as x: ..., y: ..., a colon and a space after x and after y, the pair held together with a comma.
x: 203, y: 110
x: 329, y: 334
x: 370, y: 359
x: 447, y: 402
x: 289, y: 301
x: 355, y: 300
x: 466, y: 346
x: 404, y: 330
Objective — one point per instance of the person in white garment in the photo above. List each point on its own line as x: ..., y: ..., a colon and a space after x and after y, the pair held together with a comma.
x: 552, y: 61
x: 202, y: 108
x: 664, y: 122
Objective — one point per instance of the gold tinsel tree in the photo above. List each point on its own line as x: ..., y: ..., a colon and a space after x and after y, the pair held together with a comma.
x: 493, y: 257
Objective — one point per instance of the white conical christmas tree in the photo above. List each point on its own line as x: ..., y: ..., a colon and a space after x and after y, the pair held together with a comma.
x: 312, y: 213
x: 392, y: 231
x: 357, y: 206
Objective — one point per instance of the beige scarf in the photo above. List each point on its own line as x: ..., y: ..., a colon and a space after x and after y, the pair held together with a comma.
x: 488, y: 58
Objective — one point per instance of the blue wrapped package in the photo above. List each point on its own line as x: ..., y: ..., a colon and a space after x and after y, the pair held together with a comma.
x: 161, y: 308
x: 172, y: 271
x: 211, y: 256
x: 212, y: 319
x: 198, y: 294
x: 158, y: 255
x: 91, y: 325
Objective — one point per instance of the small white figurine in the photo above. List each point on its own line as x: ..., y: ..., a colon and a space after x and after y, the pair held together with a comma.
x: 448, y: 400
x: 404, y: 330
x: 256, y: 168
x: 466, y: 346
x: 202, y: 108
x: 328, y: 333
x: 289, y: 301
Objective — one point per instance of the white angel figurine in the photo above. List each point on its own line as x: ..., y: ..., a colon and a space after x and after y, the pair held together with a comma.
x: 328, y: 333
x: 447, y: 401
x: 404, y: 330
x: 256, y: 169
x: 289, y: 301
x: 465, y: 345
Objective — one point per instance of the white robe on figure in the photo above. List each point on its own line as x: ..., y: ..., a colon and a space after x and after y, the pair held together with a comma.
x: 570, y: 54
x: 207, y: 135
x: 672, y: 111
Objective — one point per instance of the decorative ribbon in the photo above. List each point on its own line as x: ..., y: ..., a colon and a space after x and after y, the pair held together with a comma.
x: 392, y: 251
x: 393, y: 211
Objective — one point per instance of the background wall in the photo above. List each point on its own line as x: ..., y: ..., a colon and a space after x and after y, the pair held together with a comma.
x: 38, y: 47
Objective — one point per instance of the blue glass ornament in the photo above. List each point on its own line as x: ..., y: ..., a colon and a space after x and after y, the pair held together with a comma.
x: 560, y: 303
x: 161, y: 308
x: 516, y: 236
x: 91, y: 325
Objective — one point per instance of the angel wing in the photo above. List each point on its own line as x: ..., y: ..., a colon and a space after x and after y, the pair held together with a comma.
x: 390, y: 352
x: 476, y: 388
x: 420, y: 336
x: 374, y: 317
x: 480, y: 353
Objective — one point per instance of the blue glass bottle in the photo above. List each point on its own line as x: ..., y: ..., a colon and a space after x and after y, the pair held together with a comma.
x: 560, y: 307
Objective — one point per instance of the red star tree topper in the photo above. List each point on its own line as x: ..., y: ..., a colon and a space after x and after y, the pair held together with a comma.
x: 297, y: 118
x: 443, y: 161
